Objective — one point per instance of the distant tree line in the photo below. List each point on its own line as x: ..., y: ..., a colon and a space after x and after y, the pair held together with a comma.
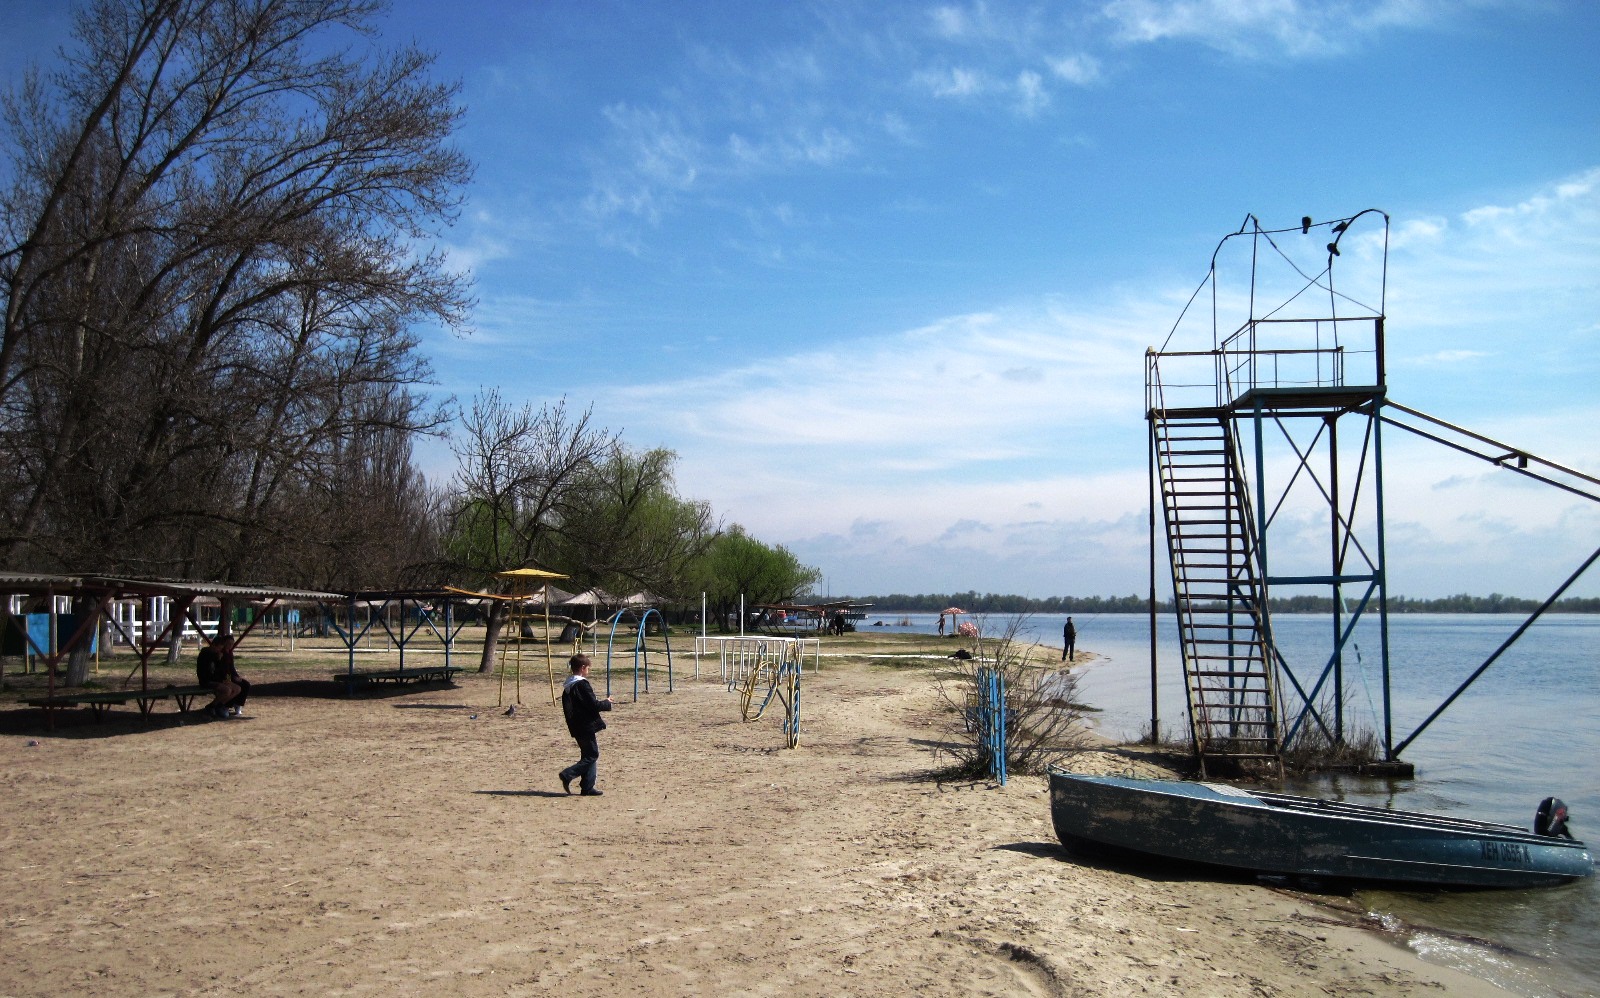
x: 975, y: 602
x: 1460, y: 603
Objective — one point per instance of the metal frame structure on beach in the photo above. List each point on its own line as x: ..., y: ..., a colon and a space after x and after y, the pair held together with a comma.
x: 1292, y: 401
x: 99, y: 592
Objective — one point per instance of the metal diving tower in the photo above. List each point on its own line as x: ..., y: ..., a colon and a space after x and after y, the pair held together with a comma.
x: 1268, y: 439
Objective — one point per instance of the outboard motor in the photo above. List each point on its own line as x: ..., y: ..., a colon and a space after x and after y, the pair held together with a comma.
x: 1551, y: 818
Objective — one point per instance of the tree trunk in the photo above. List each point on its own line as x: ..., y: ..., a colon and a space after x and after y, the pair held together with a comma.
x: 78, y: 661
x: 491, y: 635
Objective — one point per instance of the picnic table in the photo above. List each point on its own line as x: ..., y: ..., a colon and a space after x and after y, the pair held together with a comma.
x: 417, y: 674
x: 99, y: 701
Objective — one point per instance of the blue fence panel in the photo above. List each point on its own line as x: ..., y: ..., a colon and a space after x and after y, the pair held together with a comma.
x: 993, y: 725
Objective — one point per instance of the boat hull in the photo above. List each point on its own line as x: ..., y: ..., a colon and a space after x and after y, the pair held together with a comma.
x: 1301, y: 836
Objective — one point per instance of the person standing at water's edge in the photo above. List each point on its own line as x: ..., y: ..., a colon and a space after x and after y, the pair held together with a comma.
x: 1069, y: 641
x: 584, y: 723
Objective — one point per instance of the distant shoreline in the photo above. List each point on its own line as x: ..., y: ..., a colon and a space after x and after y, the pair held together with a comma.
x: 1291, y: 605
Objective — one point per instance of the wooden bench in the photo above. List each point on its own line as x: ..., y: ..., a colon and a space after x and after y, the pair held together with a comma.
x: 183, y: 696
x: 419, y: 674
x: 99, y: 700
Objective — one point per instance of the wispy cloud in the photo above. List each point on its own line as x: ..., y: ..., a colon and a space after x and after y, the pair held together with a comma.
x: 958, y: 81
x: 1080, y: 70
x: 832, y: 93
x: 821, y: 146
x: 972, y: 388
x: 1014, y: 56
x: 830, y: 99
x: 1032, y: 96
x: 1446, y: 357
x: 1007, y: 446
x: 1496, y: 279
x: 651, y: 158
x: 1272, y: 28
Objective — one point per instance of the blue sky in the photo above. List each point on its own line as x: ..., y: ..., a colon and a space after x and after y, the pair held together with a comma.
x: 883, y: 274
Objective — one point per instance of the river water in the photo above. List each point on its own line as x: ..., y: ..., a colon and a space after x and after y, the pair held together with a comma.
x: 1527, y: 729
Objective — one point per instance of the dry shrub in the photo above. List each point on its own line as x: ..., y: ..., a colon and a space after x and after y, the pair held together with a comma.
x: 1044, y: 719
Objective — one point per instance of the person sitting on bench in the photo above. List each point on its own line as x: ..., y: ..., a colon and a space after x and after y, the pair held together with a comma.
x: 214, y: 668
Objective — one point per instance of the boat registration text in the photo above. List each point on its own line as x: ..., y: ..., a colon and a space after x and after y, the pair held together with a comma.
x: 1505, y: 852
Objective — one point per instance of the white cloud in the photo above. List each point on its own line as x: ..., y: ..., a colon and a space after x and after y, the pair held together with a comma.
x: 1544, y: 211
x: 1032, y: 97
x: 1269, y: 28
x: 1007, y: 447
x: 976, y: 23
x: 1004, y: 53
x: 1511, y: 281
x: 996, y: 422
x: 916, y: 392
x: 950, y: 22
x: 650, y: 158
x: 1445, y: 357
x: 823, y: 146
x: 1080, y: 70
x: 957, y: 82
x: 482, y: 248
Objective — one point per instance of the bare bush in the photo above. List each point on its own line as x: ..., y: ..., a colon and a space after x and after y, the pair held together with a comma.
x: 1315, y: 747
x: 1044, y: 718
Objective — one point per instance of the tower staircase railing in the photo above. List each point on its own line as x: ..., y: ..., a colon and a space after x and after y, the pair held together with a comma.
x: 1220, y: 601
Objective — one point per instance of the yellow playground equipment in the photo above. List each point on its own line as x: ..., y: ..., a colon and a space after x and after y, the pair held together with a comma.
x: 522, y: 585
x: 776, y: 673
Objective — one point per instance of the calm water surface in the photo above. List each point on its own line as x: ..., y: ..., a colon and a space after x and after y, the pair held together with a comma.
x: 1529, y: 728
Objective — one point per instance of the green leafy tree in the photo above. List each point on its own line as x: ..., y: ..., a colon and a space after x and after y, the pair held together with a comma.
x: 737, y: 564
x: 635, y: 533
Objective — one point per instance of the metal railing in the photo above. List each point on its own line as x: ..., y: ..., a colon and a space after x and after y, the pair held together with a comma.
x: 1307, y: 354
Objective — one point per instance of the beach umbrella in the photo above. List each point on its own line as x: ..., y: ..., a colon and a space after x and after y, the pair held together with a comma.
x: 557, y: 597
x: 593, y: 597
x: 951, y: 612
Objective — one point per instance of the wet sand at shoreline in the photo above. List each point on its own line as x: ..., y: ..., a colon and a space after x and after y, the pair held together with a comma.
x: 420, y: 843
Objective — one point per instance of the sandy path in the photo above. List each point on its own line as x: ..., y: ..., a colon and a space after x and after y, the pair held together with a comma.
x: 399, y: 845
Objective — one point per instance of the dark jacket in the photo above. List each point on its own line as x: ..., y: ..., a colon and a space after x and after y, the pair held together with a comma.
x: 208, y: 667
x: 582, y: 708
x: 214, y: 666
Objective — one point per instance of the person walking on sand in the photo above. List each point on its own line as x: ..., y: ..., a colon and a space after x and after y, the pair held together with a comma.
x: 1069, y: 642
x: 584, y: 723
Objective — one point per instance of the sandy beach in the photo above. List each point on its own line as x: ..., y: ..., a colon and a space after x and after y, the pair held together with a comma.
x: 418, y: 842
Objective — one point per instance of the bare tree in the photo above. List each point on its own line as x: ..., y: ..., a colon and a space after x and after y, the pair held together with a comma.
x: 368, y: 520
x: 208, y: 257
x: 522, y: 475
